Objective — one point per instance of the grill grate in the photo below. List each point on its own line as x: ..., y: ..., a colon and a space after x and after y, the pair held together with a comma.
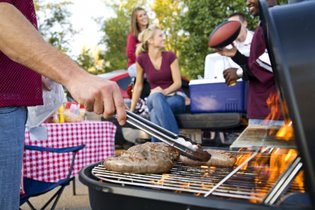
x: 249, y: 184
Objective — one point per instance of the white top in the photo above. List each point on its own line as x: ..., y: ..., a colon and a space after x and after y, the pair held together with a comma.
x: 215, y: 63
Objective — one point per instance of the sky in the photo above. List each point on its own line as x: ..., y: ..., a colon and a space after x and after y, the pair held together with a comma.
x: 83, y: 12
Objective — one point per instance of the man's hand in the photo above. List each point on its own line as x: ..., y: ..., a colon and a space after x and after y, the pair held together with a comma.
x: 19, y: 36
x: 229, y: 52
x: 230, y: 75
x: 98, y: 95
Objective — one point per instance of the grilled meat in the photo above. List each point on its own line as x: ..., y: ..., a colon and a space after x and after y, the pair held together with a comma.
x: 218, y: 158
x: 144, y: 158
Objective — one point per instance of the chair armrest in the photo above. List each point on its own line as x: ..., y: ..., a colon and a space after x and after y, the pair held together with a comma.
x: 56, y: 150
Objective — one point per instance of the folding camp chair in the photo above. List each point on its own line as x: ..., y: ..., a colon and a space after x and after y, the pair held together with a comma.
x: 35, y: 188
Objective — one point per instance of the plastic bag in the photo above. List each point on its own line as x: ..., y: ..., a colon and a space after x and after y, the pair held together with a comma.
x: 53, y: 99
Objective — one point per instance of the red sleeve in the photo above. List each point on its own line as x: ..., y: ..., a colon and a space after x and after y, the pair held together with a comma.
x: 171, y: 57
x: 131, y: 49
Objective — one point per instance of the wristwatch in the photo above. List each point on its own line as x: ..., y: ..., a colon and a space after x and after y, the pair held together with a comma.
x: 239, y: 73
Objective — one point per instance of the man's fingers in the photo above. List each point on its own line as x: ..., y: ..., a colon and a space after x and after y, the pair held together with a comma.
x: 120, y: 108
x: 89, y: 105
x: 98, y: 104
x: 114, y: 104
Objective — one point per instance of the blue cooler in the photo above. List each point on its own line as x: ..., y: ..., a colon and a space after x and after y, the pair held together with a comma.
x: 207, y: 96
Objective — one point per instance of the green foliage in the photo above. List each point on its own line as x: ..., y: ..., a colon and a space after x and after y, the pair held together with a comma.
x: 54, y: 24
x: 116, y: 30
x: 115, y: 35
x: 197, y: 22
x: 168, y: 13
x: 92, y: 61
x: 188, y: 24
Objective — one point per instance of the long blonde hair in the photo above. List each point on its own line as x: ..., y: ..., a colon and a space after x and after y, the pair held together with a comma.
x: 144, y: 37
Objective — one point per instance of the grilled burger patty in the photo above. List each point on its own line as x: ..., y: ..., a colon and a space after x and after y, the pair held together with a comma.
x: 218, y: 158
x: 144, y: 158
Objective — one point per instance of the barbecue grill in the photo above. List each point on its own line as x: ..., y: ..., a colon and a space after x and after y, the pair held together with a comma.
x: 251, y: 184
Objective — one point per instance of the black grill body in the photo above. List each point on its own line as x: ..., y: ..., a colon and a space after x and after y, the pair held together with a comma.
x: 290, y: 33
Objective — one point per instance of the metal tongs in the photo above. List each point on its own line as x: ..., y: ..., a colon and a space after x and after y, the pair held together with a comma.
x: 185, y: 147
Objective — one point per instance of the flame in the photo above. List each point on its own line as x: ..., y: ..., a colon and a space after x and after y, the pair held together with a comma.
x: 279, y: 161
x: 184, y: 185
x: 241, y: 158
x: 274, y: 106
x: 270, y: 167
x: 162, y: 180
x: 286, y: 131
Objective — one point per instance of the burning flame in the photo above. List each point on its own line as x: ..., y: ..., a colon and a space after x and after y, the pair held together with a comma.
x: 162, y: 180
x: 273, y: 104
x: 279, y: 161
x: 286, y: 131
x: 269, y: 168
x: 184, y: 185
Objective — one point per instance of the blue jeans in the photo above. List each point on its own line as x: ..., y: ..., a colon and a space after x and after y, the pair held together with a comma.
x: 12, y: 128
x: 162, y: 109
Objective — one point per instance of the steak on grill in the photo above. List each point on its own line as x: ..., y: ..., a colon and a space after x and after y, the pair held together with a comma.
x: 144, y: 158
x: 218, y: 158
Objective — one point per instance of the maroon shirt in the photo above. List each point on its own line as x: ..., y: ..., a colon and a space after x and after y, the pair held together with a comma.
x: 131, y: 48
x: 262, y: 85
x: 158, y: 77
x: 19, y: 86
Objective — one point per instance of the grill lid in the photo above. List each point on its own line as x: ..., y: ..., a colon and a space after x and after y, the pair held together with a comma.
x: 291, y: 49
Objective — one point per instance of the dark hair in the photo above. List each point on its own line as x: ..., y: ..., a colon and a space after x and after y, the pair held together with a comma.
x: 134, y: 27
x: 240, y: 15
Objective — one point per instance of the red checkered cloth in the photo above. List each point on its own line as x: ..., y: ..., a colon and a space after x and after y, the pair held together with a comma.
x: 98, y: 137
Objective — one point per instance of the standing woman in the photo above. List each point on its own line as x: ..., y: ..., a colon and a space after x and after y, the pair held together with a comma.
x: 163, y: 74
x: 139, y: 22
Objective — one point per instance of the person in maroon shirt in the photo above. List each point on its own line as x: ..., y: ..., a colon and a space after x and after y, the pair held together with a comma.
x: 139, y: 22
x: 261, y: 81
x: 163, y: 74
x: 24, y: 57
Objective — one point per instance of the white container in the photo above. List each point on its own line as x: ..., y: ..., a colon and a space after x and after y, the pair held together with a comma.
x: 215, y: 64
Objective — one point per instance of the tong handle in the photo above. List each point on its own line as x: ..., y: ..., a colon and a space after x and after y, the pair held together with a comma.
x: 151, y: 124
x: 165, y: 136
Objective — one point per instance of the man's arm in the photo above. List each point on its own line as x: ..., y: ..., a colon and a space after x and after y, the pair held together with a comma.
x: 20, y: 41
x: 238, y: 58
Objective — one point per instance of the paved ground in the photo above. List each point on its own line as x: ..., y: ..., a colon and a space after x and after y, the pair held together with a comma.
x: 67, y: 201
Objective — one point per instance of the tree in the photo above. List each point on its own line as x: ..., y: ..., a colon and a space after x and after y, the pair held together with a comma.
x: 197, y: 21
x: 115, y: 31
x: 91, y: 61
x: 168, y: 13
x: 54, y: 24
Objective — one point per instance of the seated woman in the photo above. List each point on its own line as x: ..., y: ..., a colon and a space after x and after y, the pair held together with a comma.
x: 163, y: 74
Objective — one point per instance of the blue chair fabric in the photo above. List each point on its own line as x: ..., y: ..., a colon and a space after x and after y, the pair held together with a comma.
x: 35, y: 188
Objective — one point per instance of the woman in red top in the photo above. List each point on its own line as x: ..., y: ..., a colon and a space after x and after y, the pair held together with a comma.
x: 163, y: 74
x: 139, y: 22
